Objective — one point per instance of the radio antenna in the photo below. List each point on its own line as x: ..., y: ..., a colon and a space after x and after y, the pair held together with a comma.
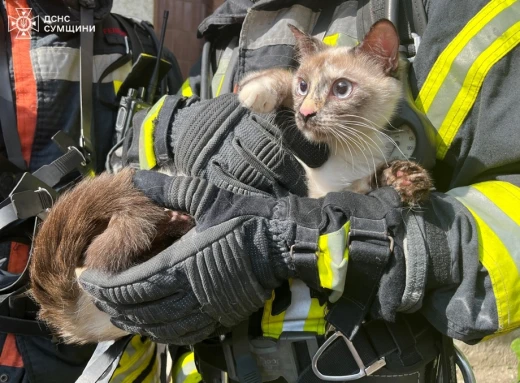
x: 152, y: 87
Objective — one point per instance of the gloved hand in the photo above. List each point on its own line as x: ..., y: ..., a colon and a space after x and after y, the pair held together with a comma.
x: 223, y: 270
x: 223, y: 142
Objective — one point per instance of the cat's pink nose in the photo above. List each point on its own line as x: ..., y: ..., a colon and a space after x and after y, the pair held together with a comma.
x: 307, y: 110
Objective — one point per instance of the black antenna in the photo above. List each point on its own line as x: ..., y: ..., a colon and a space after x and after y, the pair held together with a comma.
x: 152, y: 87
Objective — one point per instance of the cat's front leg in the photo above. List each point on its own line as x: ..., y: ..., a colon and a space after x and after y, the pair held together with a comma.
x: 409, y: 179
x: 266, y: 90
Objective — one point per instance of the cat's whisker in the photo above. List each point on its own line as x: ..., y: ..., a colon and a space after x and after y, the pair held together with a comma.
x: 346, y: 142
x: 386, y: 136
x: 350, y: 138
x: 378, y: 147
x: 354, y: 132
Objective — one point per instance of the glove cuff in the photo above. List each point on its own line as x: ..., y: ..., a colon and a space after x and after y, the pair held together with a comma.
x: 291, y: 245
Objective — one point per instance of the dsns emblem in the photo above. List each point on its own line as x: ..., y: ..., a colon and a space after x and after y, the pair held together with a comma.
x: 24, y: 23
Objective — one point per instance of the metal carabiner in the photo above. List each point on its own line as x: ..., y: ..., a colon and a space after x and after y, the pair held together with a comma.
x: 363, y: 370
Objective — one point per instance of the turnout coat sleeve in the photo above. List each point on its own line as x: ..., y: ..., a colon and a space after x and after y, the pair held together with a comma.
x: 475, y: 215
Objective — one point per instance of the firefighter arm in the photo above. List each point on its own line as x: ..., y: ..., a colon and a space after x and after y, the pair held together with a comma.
x: 460, y: 255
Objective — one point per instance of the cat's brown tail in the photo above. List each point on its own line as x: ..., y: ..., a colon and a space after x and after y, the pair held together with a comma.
x: 102, y: 223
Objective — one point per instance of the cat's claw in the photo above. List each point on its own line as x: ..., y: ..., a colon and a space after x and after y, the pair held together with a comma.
x: 410, y: 180
x: 257, y: 96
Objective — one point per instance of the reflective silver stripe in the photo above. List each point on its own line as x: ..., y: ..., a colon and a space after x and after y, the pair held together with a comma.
x: 297, y: 312
x: 216, y: 82
x: 507, y: 230
x: 265, y: 28
x: 62, y: 63
x: 452, y: 84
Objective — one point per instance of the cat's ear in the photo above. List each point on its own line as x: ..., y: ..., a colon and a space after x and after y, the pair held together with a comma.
x: 382, y: 43
x: 306, y: 44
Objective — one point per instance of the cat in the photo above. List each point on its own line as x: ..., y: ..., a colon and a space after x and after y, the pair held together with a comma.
x: 107, y: 224
x: 103, y: 223
x: 343, y: 97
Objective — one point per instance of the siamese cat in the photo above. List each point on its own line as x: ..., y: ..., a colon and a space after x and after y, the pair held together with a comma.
x: 342, y: 97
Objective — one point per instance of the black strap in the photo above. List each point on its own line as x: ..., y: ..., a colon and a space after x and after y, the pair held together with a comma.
x: 374, y: 341
x: 161, y: 134
x: 447, y: 362
x: 246, y: 368
x: 135, y: 43
x: 18, y: 326
x: 416, y: 14
x: 86, y: 64
x: 7, y: 108
x: 13, y: 308
x: 369, y: 252
x: 53, y: 173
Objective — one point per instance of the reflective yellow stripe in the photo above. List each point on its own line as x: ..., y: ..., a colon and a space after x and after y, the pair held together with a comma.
x: 455, y: 79
x: 136, y: 357
x: 331, y: 40
x: 304, y: 314
x: 494, y: 206
x: 504, y: 195
x: 315, y: 321
x: 220, y: 86
x: 333, y: 261
x: 147, y: 158
x: 466, y: 97
x: 340, y: 39
x: 186, y: 89
x: 444, y: 62
x: 117, y: 85
x: 272, y: 325
x: 185, y: 370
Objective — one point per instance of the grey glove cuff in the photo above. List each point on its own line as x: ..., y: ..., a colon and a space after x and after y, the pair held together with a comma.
x: 427, y: 256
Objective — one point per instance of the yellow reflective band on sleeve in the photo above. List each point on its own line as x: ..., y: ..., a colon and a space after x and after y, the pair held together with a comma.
x: 147, y: 158
x: 303, y: 314
x: 494, y: 206
x: 331, y: 40
x: 138, y: 357
x: 186, y: 89
x: 272, y: 325
x: 340, y: 39
x: 117, y: 85
x: 333, y: 261
x: 185, y: 370
x: 220, y: 86
x: 450, y: 90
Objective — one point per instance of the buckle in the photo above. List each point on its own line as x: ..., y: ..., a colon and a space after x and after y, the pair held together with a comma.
x: 363, y: 370
x: 275, y: 357
x: 390, y: 239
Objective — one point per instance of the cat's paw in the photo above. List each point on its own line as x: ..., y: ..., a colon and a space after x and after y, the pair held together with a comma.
x: 259, y: 95
x: 410, y: 180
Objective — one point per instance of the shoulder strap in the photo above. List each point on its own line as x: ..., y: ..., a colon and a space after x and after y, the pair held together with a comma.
x: 135, y: 43
x: 7, y: 110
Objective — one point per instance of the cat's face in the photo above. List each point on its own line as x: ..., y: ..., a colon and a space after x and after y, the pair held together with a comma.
x: 340, y: 92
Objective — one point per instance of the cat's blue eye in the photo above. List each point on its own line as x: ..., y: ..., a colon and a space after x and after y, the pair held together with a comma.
x: 303, y: 87
x: 342, y: 88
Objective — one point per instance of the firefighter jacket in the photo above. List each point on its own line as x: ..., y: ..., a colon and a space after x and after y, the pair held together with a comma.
x: 463, y: 78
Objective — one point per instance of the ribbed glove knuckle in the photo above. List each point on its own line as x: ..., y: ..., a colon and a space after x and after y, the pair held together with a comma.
x: 224, y: 283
